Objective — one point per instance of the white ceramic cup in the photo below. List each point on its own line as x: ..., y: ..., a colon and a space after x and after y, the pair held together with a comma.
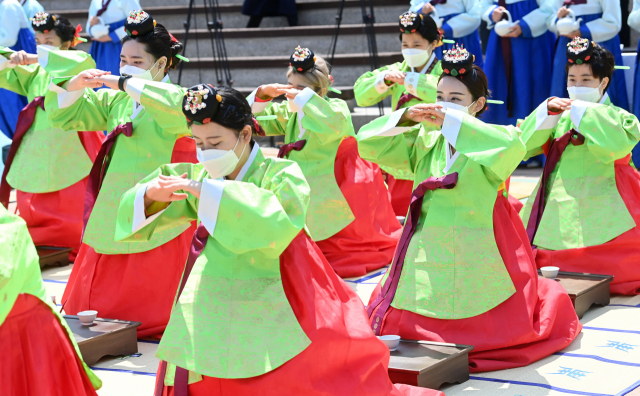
x: 391, y: 341
x: 550, y: 272
x: 87, y: 317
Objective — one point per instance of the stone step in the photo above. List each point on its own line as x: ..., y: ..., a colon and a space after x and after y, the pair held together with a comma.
x: 310, y: 13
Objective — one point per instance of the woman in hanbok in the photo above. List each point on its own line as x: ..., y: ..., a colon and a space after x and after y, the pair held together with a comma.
x: 39, y: 353
x: 129, y: 281
x: 583, y: 216
x: 601, y: 21
x: 259, y: 310
x: 464, y: 272
x: 350, y: 216
x: 410, y: 82
x: 634, y: 23
x: 15, y: 34
x: 458, y: 19
x: 521, y: 84
x: 47, y: 166
x: 106, y: 28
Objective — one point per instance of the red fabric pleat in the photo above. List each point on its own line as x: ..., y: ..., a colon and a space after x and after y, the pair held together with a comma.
x: 618, y: 257
x: 515, y: 202
x: 535, y: 322
x: 92, y: 141
x: 184, y: 150
x: 400, y: 191
x: 54, y: 218
x: 37, y: 356
x: 344, y: 357
x: 369, y: 241
x: 138, y: 287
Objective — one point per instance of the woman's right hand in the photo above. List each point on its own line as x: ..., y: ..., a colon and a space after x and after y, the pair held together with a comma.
x: 86, y: 80
x: 93, y: 21
x: 21, y: 58
x: 422, y: 112
x: 558, y: 105
x: 395, y: 77
x: 273, y: 91
x: 562, y: 12
x: 497, y: 14
x: 427, y: 9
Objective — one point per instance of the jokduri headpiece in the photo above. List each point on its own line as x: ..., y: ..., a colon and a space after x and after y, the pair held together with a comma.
x: 201, y: 104
x: 302, y: 59
x: 410, y: 22
x: 580, y: 50
x: 458, y: 62
x: 43, y: 22
x: 139, y: 23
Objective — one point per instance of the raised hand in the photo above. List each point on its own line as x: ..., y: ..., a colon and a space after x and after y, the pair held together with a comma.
x: 21, y: 58
x: 273, y: 91
x: 164, y: 188
x: 395, y: 77
x: 86, y: 80
x: 558, y: 105
x: 109, y: 81
x: 430, y: 113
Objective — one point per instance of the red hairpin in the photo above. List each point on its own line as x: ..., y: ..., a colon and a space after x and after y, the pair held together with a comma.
x: 173, y: 39
x: 258, y: 128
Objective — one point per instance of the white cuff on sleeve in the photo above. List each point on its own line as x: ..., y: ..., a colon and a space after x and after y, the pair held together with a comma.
x: 543, y: 119
x: 303, y: 97
x: 578, y: 108
x: 380, y: 85
x: 257, y: 107
x: 451, y: 125
x: 210, y: 197
x: 99, y: 30
x: 391, y: 128
x: 411, y: 83
x: 487, y: 16
x: 134, y: 88
x: 65, y: 98
x: 140, y: 219
x: 43, y: 56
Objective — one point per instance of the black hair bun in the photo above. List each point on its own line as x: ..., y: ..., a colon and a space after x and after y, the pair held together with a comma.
x: 43, y: 22
x: 580, y: 50
x: 139, y: 23
x: 201, y: 103
x: 457, y: 61
x: 302, y: 59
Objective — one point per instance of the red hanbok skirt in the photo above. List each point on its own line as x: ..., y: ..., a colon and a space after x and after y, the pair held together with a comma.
x: 535, y: 322
x: 369, y: 241
x: 619, y: 257
x: 37, y: 356
x: 55, y: 218
x: 344, y: 358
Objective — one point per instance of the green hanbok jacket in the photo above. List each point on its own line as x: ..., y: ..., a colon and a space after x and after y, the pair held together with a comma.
x: 49, y: 159
x: 323, y: 123
x: 155, y: 132
x: 20, y: 273
x: 233, y: 319
x: 370, y: 89
x: 583, y: 204
x: 453, y: 269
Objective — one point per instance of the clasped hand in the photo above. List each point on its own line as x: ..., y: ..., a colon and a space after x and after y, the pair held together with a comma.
x: 164, y: 188
x: 558, y: 105
x: 431, y: 113
x: 274, y: 90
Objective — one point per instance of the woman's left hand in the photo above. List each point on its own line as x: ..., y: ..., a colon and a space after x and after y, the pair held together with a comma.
x: 575, y: 33
x: 516, y: 31
x: 21, y: 58
x: 109, y: 81
x: 430, y: 113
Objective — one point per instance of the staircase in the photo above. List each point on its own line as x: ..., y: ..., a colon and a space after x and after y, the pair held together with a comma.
x: 261, y: 56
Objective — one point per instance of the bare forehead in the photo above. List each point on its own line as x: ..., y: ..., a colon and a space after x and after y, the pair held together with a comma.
x: 452, y: 85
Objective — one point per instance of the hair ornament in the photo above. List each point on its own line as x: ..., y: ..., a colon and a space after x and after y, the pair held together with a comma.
x: 43, y: 22
x: 580, y: 50
x: 457, y: 62
x: 409, y: 22
x: 302, y: 59
x: 139, y: 23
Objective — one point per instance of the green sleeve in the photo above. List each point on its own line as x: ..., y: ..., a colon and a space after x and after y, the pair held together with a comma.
x: 273, y: 216
x: 176, y: 214
x: 65, y: 63
x: 537, y: 129
x: 164, y: 103
x: 497, y: 148
x: 365, y: 90
x: 19, y: 79
x: 381, y: 143
x: 427, y: 87
x: 610, y: 132
x: 329, y: 119
x: 277, y: 126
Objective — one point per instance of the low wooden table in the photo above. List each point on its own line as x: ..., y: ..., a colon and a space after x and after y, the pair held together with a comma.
x: 53, y: 256
x: 429, y: 364
x: 585, y: 289
x: 105, y: 337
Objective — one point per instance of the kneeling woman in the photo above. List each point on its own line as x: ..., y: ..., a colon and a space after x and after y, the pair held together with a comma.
x: 464, y: 266
x: 258, y: 306
x: 350, y: 216
x: 125, y: 280
x: 586, y: 213
x: 47, y: 166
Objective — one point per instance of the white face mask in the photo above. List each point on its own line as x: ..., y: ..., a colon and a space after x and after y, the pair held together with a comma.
x: 137, y: 72
x: 219, y: 163
x: 586, y: 94
x: 416, y: 57
x: 455, y: 106
x: 48, y: 47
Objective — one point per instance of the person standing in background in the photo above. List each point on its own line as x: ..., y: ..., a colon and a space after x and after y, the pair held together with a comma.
x: 105, y: 26
x: 15, y: 33
x: 258, y: 9
x: 458, y: 19
x: 601, y: 22
x: 513, y: 75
